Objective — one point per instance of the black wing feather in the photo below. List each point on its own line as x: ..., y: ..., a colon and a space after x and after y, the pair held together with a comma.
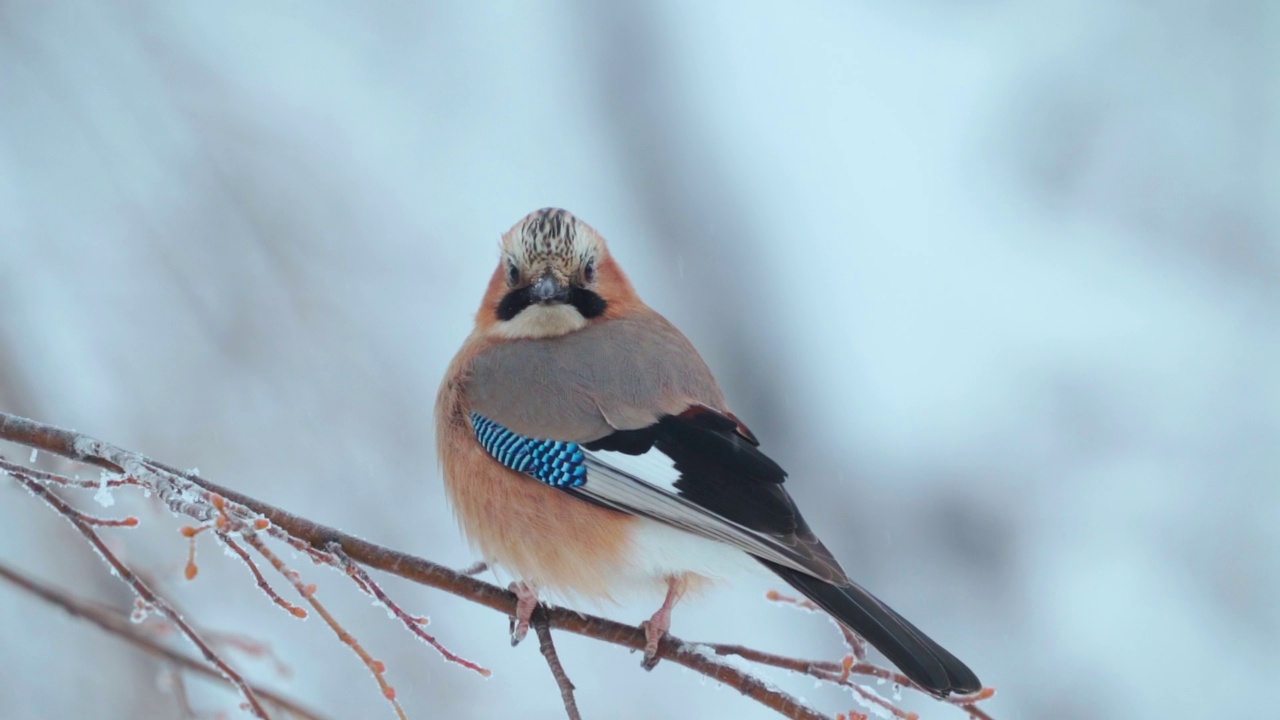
x: 719, y: 470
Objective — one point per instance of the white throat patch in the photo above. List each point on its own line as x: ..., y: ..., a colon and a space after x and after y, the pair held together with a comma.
x: 542, y: 321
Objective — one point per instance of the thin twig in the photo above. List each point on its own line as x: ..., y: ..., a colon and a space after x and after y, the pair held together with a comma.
x: 548, y: 648
x: 834, y: 673
x: 799, y: 665
x: 120, y: 626
x: 308, y: 593
x: 143, y: 591
x: 872, y: 698
x: 179, y: 686
x: 414, y: 624
x: 263, y: 585
x: 45, y: 476
x: 250, y: 647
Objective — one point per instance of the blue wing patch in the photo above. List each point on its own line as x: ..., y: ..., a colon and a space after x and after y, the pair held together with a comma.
x: 558, y: 464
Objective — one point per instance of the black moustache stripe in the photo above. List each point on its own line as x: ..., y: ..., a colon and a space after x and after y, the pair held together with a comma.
x: 513, y: 302
x: 587, y: 303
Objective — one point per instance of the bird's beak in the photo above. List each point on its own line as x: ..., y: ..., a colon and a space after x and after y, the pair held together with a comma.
x: 549, y: 290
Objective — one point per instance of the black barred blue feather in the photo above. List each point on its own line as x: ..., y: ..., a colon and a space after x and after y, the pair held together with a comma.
x: 556, y: 463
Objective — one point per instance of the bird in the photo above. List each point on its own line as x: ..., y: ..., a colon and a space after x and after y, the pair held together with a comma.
x: 588, y: 451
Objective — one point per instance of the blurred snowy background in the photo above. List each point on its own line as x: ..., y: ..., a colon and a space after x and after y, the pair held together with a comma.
x: 998, y: 282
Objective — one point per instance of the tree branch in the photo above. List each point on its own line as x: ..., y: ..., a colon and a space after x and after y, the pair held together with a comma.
x: 548, y: 648
x: 196, y: 497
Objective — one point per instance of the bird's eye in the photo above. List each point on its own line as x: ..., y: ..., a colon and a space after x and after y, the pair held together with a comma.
x: 589, y: 271
x: 513, y: 273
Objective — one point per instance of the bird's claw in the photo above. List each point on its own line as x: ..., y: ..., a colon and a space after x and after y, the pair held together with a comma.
x: 519, y: 629
x: 526, y: 601
x: 652, y: 639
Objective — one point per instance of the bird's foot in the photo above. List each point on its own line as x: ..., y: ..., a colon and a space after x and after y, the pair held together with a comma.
x: 656, y: 627
x: 526, y: 601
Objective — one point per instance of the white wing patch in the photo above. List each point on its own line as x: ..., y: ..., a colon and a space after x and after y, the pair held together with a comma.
x: 645, y: 485
x: 654, y: 467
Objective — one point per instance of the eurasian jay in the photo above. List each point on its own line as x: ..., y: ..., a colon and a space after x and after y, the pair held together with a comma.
x: 587, y: 450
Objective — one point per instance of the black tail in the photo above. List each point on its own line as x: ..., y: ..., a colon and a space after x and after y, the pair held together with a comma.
x: 919, y: 658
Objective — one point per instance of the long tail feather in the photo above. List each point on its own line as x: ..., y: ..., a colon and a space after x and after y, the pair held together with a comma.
x: 920, y: 658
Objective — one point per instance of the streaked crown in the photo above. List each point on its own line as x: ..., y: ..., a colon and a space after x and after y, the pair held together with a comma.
x: 551, y: 240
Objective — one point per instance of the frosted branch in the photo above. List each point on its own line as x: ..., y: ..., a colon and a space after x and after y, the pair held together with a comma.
x: 234, y: 514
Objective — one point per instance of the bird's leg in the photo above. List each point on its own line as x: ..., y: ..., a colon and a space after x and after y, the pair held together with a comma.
x: 656, y: 627
x: 526, y: 601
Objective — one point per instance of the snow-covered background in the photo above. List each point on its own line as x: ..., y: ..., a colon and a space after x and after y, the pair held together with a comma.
x: 998, y: 282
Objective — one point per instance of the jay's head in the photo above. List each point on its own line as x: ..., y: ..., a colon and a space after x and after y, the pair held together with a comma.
x: 555, y: 277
